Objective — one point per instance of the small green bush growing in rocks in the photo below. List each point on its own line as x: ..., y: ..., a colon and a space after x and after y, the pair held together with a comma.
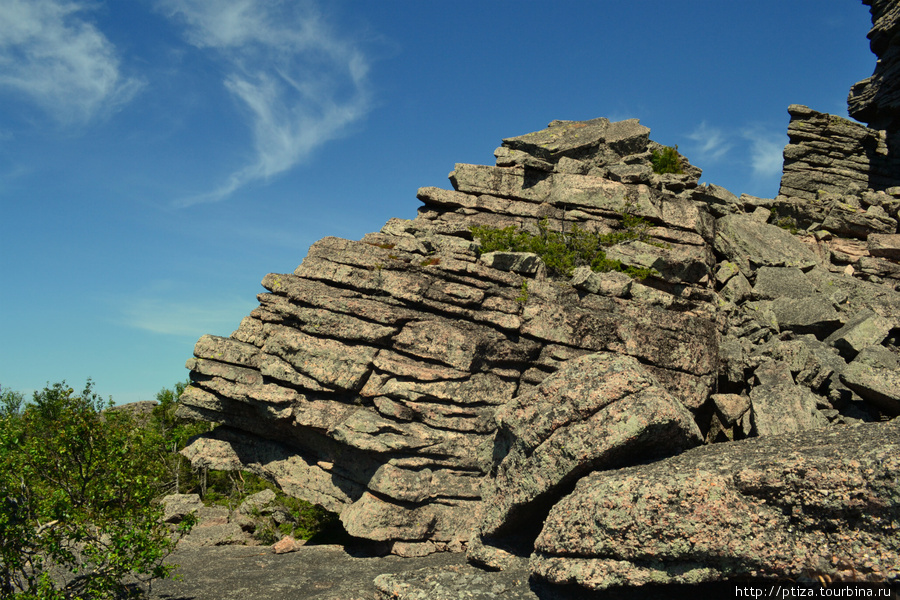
x: 522, y: 298
x: 563, y: 252
x: 666, y: 161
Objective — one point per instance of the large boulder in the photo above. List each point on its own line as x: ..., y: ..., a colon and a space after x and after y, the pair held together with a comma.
x: 750, y: 244
x: 599, y: 411
x: 875, y: 375
x: 781, y: 507
x: 778, y: 405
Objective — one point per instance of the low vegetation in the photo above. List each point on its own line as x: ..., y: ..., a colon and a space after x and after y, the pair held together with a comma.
x: 80, y: 491
x: 78, y: 487
x: 564, y: 251
x: 666, y: 160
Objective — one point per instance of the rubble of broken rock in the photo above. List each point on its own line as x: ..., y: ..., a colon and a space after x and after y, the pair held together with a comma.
x: 731, y: 415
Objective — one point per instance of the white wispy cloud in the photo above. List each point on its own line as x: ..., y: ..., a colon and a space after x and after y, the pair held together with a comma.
x: 766, y: 151
x: 300, y: 83
x: 712, y: 143
x: 63, y: 63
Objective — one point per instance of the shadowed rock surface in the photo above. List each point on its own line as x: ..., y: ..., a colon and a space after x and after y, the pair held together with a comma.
x: 312, y: 572
x: 876, y: 99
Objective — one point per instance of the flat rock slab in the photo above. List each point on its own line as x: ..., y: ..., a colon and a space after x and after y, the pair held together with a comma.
x: 456, y: 582
x: 578, y: 138
x: 256, y: 573
x: 751, y: 244
x: 778, y: 507
x: 782, y: 282
x: 330, y: 573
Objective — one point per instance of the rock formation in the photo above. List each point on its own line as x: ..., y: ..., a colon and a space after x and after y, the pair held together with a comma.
x: 368, y: 380
x: 876, y: 99
x: 829, y: 156
x: 440, y: 396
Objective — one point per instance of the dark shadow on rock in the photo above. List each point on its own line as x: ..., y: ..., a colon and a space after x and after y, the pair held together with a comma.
x: 533, y: 177
x: 253, y: 449
x: 884, y: 162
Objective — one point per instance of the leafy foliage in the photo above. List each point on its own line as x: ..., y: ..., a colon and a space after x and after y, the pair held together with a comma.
x: 666, y: 161
x: 78, y: 484
x: 563, y: 251
x: 11, y: 403
x: 79, y: 494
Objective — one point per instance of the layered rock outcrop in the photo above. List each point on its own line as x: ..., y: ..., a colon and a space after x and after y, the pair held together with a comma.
x: 368, y: 380
x: 440, y: 396
x: 829, y: 156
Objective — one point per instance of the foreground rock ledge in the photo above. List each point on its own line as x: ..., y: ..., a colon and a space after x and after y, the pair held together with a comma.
x: 786, y: 506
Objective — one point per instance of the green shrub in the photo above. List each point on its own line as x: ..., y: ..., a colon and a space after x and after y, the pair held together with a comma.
x: 78, y: 486
x: 562, y: 252
x: 666, y: 161
x: 522, y: 298
x: 79, y: 491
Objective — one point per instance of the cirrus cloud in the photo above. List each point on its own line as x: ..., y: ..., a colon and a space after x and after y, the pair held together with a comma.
x: 50, y: 54
x: 766, y: 150
x: 712, y: 143
x: 300, y: 83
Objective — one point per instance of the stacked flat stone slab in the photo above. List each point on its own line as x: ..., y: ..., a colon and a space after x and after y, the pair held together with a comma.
x: 830, y: 154
x: 368, y: 380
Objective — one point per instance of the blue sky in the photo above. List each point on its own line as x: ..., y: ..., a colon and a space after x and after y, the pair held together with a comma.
x: 159, y: 157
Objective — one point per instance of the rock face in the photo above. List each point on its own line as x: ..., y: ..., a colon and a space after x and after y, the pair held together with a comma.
x: 759, y: 508
x: 443, y: 397
x: 876, y: 99
x: 599, y: 411
x: 831, y: 154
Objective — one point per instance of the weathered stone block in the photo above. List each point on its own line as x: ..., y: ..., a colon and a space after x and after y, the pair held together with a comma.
x: 884, y: 245
x: 875, y: 375
x: 597, y: 412
x: 751, y: 244
x: 771, y: 507
x: 862, y: 330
